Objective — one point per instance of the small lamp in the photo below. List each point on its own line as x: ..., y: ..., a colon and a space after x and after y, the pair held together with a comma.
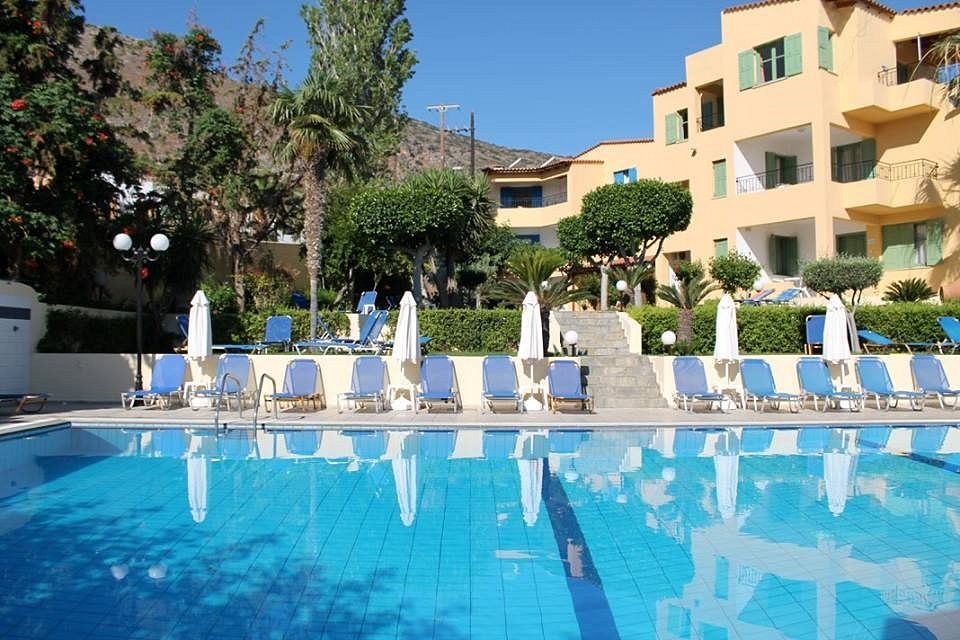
x: 122, y: 242
x: 668, y: 338
x: 159, y: 243
x: 621, y: 285
x: 570, y: 338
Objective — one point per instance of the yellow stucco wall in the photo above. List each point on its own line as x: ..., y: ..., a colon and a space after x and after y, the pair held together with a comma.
x: 805, y: 116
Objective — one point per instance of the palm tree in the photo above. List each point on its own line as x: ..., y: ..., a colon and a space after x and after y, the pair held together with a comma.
x: 316, y: 137
x: 685, y: 295
x: 636, y: 277
x: 944, y: 54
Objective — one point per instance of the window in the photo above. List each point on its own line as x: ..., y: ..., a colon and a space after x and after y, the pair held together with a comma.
x: 825, y: 48
x: 784, y: 255
x: 719, y: 178
x: 529, y: 238
x: 779, y: 170
x: 521, y: 196
x: 771, y: 61
x: 853, y: 162
x: 625, y: 176
x: 852, y: 244
x: 677, y: 126
x: 914, y: 244
x: 720, y: 247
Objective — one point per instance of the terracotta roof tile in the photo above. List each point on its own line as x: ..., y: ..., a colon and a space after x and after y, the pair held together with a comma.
x: 605, y: 142
x: 754, y: 5
x: 541, y: 169
x: 933, y: 7
x: 668, y: 89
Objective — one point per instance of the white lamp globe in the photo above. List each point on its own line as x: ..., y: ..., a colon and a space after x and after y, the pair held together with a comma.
x: 122, y: 242
x: 544, y: 284
x: 160, y: 243
x: 571, y: 337
x: 668, y: 338
x: 621, y: 285
x: 669, y: 474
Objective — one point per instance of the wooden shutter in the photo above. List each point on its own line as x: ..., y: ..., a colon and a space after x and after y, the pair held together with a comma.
x: 789, y: 169
x: 774, y: 257
x: 706, y: 116
x: 868, y: 158
x: 746, y: 60
x: 825, y: 48
x: 672, y: 123
x: 506, y: 196
x: 790, y: 256
x: 852, y: 244
x: 934, y: 244
x: 835, y: 170
x: 720, y: 247
x: 771, y: 175
x: 897, y: 246
x: 632, y: 174
x: 792, y: 63
x: 719, y: 178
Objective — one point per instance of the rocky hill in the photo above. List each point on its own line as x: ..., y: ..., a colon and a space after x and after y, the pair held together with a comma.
x: 419, y: 149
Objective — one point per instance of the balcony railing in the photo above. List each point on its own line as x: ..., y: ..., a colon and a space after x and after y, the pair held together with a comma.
x: 856, y: 171
x: 533, y: 202
x: 775, y: 178
x: 904, y: 73
x: 705, y: 123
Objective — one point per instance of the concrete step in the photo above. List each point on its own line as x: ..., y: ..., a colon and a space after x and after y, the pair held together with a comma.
x: 629, y: 402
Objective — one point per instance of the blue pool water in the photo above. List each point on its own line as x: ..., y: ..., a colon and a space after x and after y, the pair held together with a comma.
x: 709, y: 534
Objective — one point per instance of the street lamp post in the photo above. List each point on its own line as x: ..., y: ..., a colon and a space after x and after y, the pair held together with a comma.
x: 138, y: 257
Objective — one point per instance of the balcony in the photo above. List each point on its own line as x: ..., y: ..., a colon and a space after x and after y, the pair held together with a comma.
x: 898, y: 92
x: 532, y: 202
x: 714, y: 121
x: 879, y: 187
x: 774, y: 179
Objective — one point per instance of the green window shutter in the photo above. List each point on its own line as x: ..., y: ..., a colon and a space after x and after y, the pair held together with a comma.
x: 720, y: 247
x: 720, y: 179
x: 789, y: 170
x: 672, y: 123
x: 770, y: 170
x: 791, y: 256
x: 747, y: 64
x: 897, y: 246
x: 706, y: 116
x: 825, y: 48
x: 774, y: 257
x: 868, y: 157
x: 835, y: 170
x: 934, y: 242
x: 852, y: 244
x: 792, y: 63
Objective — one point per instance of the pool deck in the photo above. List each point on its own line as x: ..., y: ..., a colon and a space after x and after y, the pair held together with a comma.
x: 112, y: 414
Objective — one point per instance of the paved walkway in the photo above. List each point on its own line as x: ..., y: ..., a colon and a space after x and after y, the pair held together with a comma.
x: 92, y: 413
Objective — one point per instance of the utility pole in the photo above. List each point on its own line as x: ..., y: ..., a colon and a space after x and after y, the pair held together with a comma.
x: 473, y: 145
x: 442, y: 110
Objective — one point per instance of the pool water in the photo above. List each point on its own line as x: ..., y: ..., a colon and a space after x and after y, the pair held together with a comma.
x: 711, y: 534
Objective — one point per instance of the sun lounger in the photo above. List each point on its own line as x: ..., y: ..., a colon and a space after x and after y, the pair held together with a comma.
x: 500, y: 383
x: 366, y: 341
x: 784, y: 297
x: 691, y: 382
x: 755, y: 440
x: 166, y: 384
x: 368, y: 445
x: 564, y: 386
x: 278, y: 332
x: 759, y: 386
x: 367, y: 302
x: 438, y: 383
x: 816, y: 383
x: 875, y: 381
x: 756, y: 298
x: 299, y: 385
x: 930, y: 379
x: 233, y: 373
x: 873, y: 340
x: 951, y: 327
x: 813, y: 327
x: 21, y: 402
x: 366, y: 384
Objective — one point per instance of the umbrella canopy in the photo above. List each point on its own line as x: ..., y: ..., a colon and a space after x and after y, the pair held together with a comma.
x: 531, y: 331
x: 199, y: 335
x: 726, y: 348
x: 836, y: 346
x: 405, y: 483
x: 531, y: 488
x: 406, y: 341
x: 836, y: 475
x: 198, y: 468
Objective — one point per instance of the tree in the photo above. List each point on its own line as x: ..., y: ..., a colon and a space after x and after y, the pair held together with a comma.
x: 841, y: 274
x: 488, y: 261
x: 945, y: 56
x: 690, y: 290
x: 734, y: 272
x: 625, y: 222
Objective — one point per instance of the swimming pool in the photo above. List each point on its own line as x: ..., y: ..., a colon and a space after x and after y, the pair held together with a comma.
x: 659, y: 533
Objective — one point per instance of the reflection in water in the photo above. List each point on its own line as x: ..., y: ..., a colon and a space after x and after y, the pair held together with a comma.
x: 817, y: 532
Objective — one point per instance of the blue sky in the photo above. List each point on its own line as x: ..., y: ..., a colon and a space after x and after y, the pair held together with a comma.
x: 553, y: 76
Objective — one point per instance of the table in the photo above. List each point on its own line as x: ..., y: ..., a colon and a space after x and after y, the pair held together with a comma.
x: 394, y: 391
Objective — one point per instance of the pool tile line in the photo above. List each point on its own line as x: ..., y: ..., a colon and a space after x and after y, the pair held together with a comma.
x: 591, y: 607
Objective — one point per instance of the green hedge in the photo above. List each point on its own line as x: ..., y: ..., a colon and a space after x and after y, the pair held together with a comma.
x: 248, y: 327
x: 469, y: 330
x: 70, y: 331
x: 780, y: 329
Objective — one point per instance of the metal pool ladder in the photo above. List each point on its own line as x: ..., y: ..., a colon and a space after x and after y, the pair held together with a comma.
x: 219, y: 402
x: 256, y: 399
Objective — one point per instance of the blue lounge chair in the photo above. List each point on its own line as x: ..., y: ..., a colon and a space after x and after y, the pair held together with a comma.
x: 301, y: 443
x: 367, y: 302
x: 299, y: 385
x: 758, y: 385
x: 366, y: 341
x: 784, y: 297
x: 366, y: 384
x: 813, y: 326
x: 816, y: 383
x: 930, y: 379
x: 299, y: 301
x: 875, y: 381
x: 438, y: 383
x: 278, y: 332
x: 499, y: 445
x: 756, y: 298
x: 951, y: 327
x: 755, y: 440
x: 233, y: 373
x: 21, y: 402
x: 873, y: 340
x: 500, y: 383
x: 691, y: 382
x: 564, y: 386
x: 437, y: 444
x: 166, y: 384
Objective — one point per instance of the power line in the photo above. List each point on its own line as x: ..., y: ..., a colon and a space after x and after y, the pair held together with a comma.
x: 442, y: 110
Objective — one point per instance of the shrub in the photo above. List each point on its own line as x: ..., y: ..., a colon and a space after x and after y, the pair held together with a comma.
x: 470, y: 330
x: 687, y: 270
x: 71, y: 331
x: 841, y: 274
x: 909, y: 290
x: 268, y: 289
x: 734, y: 272
x: 222, y: 297
x: 249, y: 327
